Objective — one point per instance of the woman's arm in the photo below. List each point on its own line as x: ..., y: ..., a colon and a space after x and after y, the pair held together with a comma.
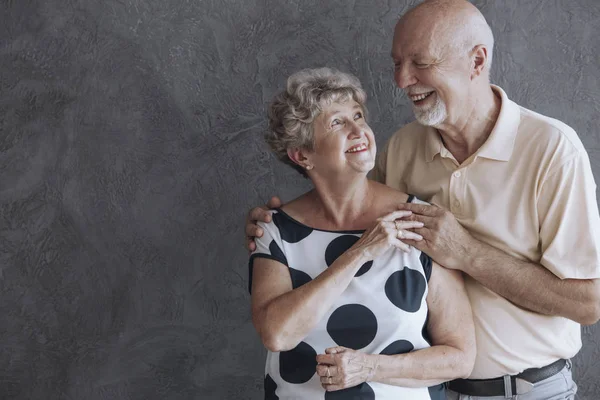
x: 450, y: 326
x: 451, y: 355
x: 283, y: 317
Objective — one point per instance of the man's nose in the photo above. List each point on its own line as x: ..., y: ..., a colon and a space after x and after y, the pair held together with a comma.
x: 404, y: 76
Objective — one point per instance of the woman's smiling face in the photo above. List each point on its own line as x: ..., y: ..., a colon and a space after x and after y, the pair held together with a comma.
x: 343, y: 140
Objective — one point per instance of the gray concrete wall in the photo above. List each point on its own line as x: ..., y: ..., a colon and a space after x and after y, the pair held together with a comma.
x: 131, y: 149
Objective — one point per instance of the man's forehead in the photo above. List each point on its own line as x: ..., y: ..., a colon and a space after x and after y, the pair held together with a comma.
x: 411, y: 48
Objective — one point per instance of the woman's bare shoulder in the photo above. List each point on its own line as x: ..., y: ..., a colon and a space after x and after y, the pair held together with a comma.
x: 387, y: 198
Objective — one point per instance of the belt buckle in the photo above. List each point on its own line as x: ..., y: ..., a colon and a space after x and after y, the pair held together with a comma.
x: 523, y: 386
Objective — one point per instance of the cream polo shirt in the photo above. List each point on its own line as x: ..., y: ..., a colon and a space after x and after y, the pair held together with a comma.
x: 529, y: 191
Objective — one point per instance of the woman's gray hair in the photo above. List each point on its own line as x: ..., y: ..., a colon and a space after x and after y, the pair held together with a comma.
x: 294, y: 110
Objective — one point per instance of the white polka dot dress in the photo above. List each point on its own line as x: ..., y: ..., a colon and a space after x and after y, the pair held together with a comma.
x: 383, y: 311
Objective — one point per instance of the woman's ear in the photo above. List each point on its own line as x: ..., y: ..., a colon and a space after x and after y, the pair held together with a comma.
x: 299, y: 157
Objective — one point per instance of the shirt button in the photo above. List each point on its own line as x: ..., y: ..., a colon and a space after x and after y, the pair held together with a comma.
x: 456, y: 204
x: 457, y: 174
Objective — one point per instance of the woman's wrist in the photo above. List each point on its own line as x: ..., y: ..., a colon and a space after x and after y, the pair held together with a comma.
x: 355, y: 258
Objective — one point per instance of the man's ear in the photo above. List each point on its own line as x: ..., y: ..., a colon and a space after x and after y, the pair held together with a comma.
x: 479, y: 60
x: 299, y: 157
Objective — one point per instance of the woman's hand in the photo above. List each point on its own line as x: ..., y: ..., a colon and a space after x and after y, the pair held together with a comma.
x: 341, y: 368
x: 387, y: 232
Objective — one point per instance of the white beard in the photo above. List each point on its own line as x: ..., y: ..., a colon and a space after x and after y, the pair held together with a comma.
x: 433, y: 115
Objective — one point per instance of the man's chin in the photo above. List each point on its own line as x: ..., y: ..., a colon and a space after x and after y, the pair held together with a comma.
x: 428, y: 120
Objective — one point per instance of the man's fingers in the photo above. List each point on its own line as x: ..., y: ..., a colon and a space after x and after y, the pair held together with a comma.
x: 250, y: 245
x: 253, y: 231
x: 417, y: 244
x: 423, y: 209
x: 260, y: 214
x: 274, y: 202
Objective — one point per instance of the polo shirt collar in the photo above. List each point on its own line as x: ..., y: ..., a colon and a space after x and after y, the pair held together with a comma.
x: 498, y: 146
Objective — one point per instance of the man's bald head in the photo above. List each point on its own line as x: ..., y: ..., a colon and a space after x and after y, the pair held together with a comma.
x: 449, y: 24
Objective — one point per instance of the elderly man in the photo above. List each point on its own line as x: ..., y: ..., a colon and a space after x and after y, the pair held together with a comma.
x: 515, y: 206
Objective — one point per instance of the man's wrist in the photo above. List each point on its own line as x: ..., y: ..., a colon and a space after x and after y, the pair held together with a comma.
x: 474, y: 252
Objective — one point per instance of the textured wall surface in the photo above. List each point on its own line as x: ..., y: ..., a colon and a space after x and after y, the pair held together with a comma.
x: 131, y: 149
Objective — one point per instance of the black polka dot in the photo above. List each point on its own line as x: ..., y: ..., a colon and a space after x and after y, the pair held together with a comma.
x: 426, y: 262
x: 339, y: 246
x: 353, y: 326
x: 425, y: 330
x: 437, y: 392
x: 299, y: 278
x: 270, y: 388
x: 365, y: 268
x: 299, y: 364
x: 290, y: 230
x: 277, y: 253
x: 360, y: 392
x: 398, y: 347
x: 405, y: 289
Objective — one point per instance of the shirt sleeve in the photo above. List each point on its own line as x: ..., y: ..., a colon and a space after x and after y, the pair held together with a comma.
x: 269, y: 245
x: 569, y: 220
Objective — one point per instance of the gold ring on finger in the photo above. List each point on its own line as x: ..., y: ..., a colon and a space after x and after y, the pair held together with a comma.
x: 328, y: 373
x: 330, y: 380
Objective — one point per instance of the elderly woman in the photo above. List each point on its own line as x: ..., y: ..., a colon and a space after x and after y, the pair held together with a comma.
x: 345, y: 309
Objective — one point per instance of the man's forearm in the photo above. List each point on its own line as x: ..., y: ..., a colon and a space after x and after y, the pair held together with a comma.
x: 533, y: 287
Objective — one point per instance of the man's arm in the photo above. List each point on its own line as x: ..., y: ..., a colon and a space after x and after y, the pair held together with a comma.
x: 564, y: 281
x: 532, y: 286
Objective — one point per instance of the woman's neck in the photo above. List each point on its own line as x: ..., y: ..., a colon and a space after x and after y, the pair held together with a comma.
x: 341, y: 204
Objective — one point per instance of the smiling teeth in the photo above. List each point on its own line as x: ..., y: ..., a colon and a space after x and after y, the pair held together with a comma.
x: 358, y: 148
x: 420, y: 96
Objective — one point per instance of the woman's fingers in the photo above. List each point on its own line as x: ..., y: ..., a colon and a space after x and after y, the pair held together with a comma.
x: 403, y: 235
x: 400, y: 245
x: 325, y: 370
x: 397, y: 215
x: 402, y: 224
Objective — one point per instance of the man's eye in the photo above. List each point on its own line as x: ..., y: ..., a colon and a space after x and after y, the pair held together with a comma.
x: 420, y: 65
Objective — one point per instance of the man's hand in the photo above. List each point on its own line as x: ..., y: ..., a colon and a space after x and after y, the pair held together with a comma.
x: 444, y: 238
x: 255, y: 215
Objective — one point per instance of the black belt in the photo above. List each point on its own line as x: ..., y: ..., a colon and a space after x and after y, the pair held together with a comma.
x: 519, y: 384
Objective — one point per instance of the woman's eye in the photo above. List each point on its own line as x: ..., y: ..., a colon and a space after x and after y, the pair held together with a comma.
x: 358, y: 115
x: 419, y: 65
x: 335, y: 122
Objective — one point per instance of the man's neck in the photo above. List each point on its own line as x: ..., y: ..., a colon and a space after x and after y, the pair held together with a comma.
x: 466, y: 136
